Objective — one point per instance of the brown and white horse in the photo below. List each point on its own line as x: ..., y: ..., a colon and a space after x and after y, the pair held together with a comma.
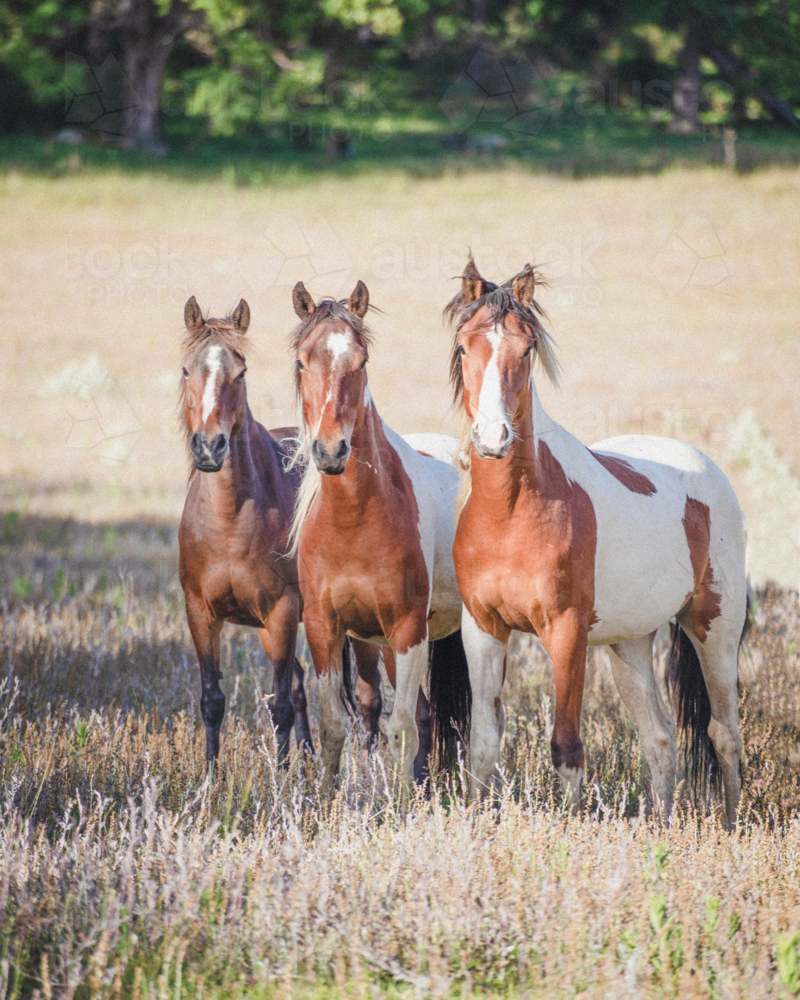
x: 234, y: 534
x: 594, y: 546
x: 374, y: 530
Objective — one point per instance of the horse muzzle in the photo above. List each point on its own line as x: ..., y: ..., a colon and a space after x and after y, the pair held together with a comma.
x: 493, y: 441
x: 330, y: 461
x: 209, y: 453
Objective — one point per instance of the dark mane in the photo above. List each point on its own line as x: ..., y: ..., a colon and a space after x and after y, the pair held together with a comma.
x: 222, y: 330
x: 327, y: 309
x: 500, y: 300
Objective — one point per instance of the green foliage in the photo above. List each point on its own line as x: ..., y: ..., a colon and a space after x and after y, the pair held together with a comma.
x: 241, y: 64
x: 788, y: 962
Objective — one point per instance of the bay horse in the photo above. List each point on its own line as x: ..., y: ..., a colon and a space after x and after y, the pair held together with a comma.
x: 589, y: 546
x: 374, y: 527
x: 235, y: 564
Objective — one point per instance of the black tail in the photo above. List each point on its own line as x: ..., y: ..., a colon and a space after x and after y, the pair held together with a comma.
x: 451, y: 696
x: 348, y: 670
x: 687, y: 686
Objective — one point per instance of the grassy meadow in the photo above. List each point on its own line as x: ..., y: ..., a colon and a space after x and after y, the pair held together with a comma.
x: 122, y: 872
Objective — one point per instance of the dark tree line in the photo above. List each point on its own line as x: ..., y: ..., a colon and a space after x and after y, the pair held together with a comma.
x: 235, y: 63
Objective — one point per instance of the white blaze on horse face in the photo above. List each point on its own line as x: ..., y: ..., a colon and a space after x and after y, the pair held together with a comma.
x: 213, y: 365
x: 328, y: 398
x: 337, y: 344
x: 491, y: 425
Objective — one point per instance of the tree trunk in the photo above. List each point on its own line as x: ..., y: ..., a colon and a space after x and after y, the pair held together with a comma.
x: 686, y: 89
x: 739, y: 75
x: 148, y: 40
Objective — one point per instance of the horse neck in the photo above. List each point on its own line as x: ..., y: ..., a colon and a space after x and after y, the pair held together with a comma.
x: 502, y: 481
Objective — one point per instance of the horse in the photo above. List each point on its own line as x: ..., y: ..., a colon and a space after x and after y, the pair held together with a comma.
x: 234, y: 563
x: 373, y: 530
x: 589, y: 546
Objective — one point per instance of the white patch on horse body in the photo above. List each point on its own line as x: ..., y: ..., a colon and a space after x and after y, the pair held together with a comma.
x: 213, y: 364
x: 337, y: 344
x: 367, y: 396
x: 491, y: 420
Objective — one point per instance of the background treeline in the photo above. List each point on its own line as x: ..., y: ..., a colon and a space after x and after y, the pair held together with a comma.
x: 138, y: 71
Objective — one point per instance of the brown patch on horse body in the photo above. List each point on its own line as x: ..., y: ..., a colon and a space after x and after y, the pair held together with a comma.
x: 625, y: 473
x: 705, y: 603
x: 361, y: 563
x: 425, y: 453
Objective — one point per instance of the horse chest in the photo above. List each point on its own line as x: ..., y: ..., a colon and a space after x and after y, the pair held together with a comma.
x: 520, y: 572
x: 370, y: 578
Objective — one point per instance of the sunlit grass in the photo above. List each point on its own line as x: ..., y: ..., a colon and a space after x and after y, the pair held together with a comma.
x: 123, y: 873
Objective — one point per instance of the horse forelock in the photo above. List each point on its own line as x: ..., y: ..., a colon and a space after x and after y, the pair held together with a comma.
x: 500, y: 300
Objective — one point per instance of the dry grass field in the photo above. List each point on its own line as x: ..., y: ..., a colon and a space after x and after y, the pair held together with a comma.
x: 122, y: 872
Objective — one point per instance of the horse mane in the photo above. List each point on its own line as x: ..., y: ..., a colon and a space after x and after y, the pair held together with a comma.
x: 222, y: 330
x: 500, y: 300
x: 300, y: 455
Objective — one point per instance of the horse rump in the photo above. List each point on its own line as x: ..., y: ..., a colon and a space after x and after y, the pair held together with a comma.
x: 450, y: 697
x: 687, y: 686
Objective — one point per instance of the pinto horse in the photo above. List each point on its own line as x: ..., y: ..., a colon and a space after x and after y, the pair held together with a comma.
x: 234, y: 533
x: 596, y: 546
x: 374, y: 527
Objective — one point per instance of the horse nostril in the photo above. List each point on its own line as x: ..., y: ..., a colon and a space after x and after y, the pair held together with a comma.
x: 341, y: 451
x: 504, y: 436
x: 194, y: 443
x: 218, y: 444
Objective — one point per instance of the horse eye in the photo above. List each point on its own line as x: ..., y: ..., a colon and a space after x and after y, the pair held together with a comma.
x: 363, y: 365
x: 300, y: 365
x: 185, y: 372
x: 527, y: 354
x: 240, y: 376
x: 461, y: 349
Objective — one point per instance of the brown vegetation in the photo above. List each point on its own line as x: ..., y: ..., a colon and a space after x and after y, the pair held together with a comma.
x: 123, y: 874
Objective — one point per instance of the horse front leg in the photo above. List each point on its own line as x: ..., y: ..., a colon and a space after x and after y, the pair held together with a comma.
x: 302, y: 727
x: 327, y: 649
x: 279, y: 638
x: 486, y: 658
x: 370, y: 702
x: 565, y: 640
x: 402, y: 726
x: 205, y: 633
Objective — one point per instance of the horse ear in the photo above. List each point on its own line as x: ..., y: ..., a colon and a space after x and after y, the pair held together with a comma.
x: 472, y: 284
x: 192, y: 316
x: 241, y: 316
x: 359, y: 300
x: 302, y: 301
x: 524, y: 285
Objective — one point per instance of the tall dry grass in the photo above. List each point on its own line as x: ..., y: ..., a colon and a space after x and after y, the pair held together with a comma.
x: 123, y: 873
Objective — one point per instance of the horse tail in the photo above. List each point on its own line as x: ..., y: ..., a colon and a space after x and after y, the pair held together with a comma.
x: 686, y: 684
x: 450, y: 696
x: 348, y: 670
